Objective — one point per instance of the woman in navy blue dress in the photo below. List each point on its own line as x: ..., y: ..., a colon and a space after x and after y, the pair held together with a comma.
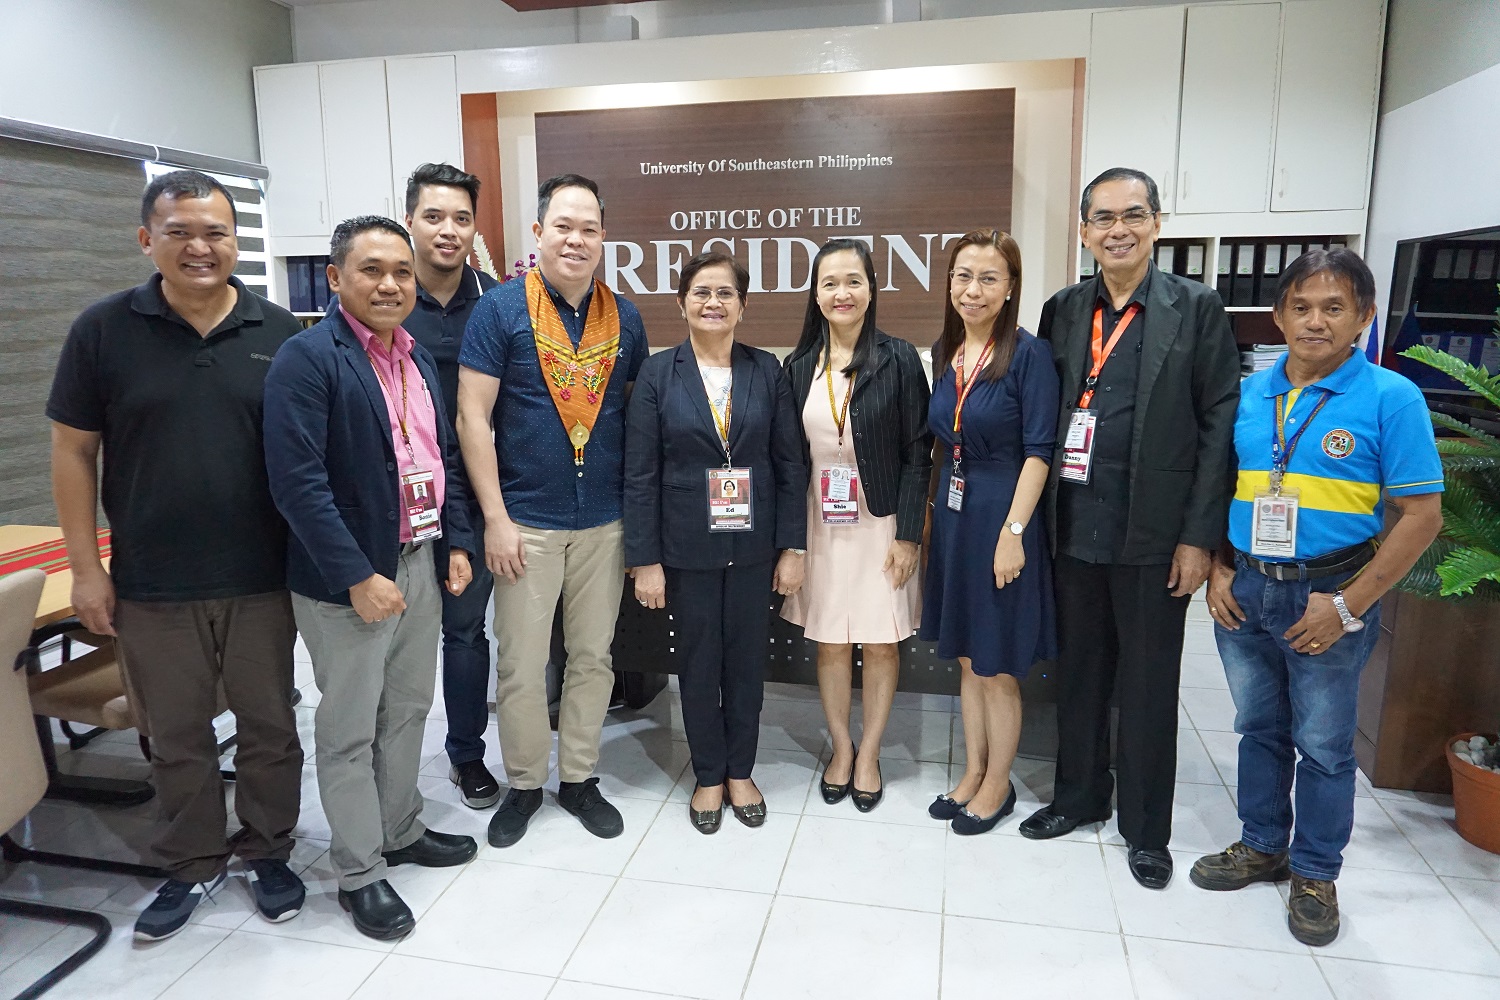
x: 988, y: 589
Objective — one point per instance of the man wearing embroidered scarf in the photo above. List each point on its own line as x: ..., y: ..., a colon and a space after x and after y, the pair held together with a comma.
x: 544, y: 374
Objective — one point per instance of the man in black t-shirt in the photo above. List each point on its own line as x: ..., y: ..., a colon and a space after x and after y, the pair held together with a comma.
x: 168, y: 378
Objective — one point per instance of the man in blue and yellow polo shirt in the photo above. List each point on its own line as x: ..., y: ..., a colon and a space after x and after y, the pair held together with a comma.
x: 1319, y: 439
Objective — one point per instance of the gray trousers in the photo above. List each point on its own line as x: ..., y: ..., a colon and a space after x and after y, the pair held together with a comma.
x: 377, y: 681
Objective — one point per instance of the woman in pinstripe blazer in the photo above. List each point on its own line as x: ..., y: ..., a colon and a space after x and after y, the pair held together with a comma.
x: 862, y: 397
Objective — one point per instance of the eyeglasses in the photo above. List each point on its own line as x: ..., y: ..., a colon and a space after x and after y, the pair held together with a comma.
x: 989, y: 279
x: 1136, y: 218
x: 702, y: 295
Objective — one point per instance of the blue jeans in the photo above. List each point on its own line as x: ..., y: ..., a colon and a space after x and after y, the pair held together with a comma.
x: 1289, y: 704
x: 466, y: 665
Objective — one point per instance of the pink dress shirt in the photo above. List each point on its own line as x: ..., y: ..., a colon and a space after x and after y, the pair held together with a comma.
x: 421, y: 416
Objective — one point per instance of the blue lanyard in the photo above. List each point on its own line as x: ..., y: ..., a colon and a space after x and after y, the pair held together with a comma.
x: 1281, y: 448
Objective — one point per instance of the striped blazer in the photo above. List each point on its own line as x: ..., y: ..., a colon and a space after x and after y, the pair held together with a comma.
x: 888, y: 413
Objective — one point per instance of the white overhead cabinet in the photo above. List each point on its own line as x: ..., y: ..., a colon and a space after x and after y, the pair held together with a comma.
x: 426, y: 125
x: 1229, y: 78
x: 1325, y: 119
x: 1134, y: 90
x: 289, y: 110
x: 356, y: 138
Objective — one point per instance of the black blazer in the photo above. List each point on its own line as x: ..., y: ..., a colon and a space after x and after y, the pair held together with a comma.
x: 333, y: 467
x: 888, y: 412
x: 1182, y: 437
x: 670, y: 443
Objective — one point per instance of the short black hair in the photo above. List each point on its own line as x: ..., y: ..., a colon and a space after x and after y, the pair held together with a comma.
x: 1341, y: 263
x: 439, y: 175
x: 183, y: 184
x: 1153, y: 196
x: 552, y: 185
x: 344, y: 233
x: 713, y: 258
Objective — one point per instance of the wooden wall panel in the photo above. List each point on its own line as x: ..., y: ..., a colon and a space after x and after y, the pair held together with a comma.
x: 939, y: 164
x: 482, y: 159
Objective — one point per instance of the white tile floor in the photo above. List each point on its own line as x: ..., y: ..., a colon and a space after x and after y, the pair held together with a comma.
x: 821, y: 902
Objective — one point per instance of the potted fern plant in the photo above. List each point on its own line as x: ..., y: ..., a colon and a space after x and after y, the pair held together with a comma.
x: 1463, y: 564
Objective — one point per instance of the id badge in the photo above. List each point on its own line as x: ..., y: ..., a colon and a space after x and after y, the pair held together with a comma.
x: 730, y: 505
x: 1273, y: 528
x: 839, y: 494
x: 420, y: 496
x: 955, y: 492
x: 1078, y: 447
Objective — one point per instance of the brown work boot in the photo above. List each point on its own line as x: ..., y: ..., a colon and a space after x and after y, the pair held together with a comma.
x: 1238, y: 866
x: 1313, y: 910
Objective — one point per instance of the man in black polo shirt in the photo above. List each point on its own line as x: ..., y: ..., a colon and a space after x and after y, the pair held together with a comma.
x: 168, y: 378
x: 440, y: 204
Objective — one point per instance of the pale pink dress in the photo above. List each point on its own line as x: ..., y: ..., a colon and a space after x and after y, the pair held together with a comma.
x: 845, y: 597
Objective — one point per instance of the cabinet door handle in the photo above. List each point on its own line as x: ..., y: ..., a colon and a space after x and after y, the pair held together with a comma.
x: 1281, y: 188
x: 1186, y: 182
x: 321, y: 219
x: 1166, y: 185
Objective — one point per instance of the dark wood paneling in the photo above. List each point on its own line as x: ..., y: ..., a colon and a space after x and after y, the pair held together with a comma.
x: 481, y: 127
x: 67, y: 238
x: 951, y: 172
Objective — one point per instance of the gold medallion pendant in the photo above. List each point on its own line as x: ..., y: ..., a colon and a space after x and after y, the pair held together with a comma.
x: 579, y: 435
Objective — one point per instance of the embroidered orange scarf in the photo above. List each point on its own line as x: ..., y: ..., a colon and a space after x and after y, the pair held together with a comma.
x: 575, y: 379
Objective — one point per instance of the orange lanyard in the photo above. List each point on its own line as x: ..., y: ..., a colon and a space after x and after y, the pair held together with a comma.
x: 401, y: 416
x: 840, y: 417
x: 722, y: 422
x: 1102, y: 350
x: 966, y: 386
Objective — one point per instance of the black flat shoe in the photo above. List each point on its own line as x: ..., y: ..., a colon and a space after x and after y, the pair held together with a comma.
x: 865, y: 801
x: 752, y: 815
x: 1151, y: 867
x: 1045, y: 824
x: 705, y: 821
x: 377, y: 911
x: 834, y: 794
x: 945, y: 808
x: 435, y: 850
x: 966, y: 824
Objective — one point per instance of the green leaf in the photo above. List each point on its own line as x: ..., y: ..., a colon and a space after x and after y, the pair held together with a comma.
x: 1460, y: 446
x: 1466, y: 568
x: 1467, y: 518
x: 1473, y: 376
x: 1468, y: 430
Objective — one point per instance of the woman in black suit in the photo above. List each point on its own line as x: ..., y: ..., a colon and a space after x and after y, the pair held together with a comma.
x: 714, y: 490
x: 862, y: 397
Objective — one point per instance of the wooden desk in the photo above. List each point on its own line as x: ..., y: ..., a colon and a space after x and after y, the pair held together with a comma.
x: 57, y: 597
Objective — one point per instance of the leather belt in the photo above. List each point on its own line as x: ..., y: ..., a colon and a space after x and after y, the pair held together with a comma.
x: 1343, y: 561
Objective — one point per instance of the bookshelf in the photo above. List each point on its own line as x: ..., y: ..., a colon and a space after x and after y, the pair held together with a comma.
x: 1449, y: 286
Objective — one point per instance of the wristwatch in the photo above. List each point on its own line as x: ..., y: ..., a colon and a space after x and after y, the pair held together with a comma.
x: 800, y: 552
x: 1351, y: 623
x: 1016, y: 527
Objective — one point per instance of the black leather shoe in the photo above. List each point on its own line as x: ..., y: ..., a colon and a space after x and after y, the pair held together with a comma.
x: 377, y: 911
x: 1044, y: 824
x: 945, y: 808
x: 705, y: 820
x: 435, y: 850
x: 752, y: 815
x: 966, y: 824
x: 1151, y: 866
x: 834, y: 794
x: 582, y: 799
x: 508, y: 825
x: 865, y: 801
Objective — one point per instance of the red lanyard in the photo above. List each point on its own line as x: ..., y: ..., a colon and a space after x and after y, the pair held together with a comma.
x: 966, y: 386
x: 840, y: 417
x: 401, y: 416
x: 1102, y: 350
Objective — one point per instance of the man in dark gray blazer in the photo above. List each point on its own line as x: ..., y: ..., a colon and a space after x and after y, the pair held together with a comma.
x: 1138, y: 498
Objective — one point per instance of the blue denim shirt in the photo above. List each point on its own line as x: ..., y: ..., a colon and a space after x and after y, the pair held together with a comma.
x: 541, y: 485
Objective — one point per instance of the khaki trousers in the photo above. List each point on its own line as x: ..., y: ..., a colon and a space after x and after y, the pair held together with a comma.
x: 587, y: 568
x: 377, y: 680
x: 177, y: 654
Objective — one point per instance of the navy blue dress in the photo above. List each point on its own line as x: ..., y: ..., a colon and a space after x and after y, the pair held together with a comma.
x: 1001, y: 631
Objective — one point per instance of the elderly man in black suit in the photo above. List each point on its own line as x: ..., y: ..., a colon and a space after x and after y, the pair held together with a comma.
x: 1138, y: 498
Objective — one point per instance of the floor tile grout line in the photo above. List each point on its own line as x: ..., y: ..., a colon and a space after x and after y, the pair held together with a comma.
x: 1406, y: 836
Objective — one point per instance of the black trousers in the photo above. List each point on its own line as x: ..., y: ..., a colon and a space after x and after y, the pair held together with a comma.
x: 1120, y: 633
x: 722, y: 621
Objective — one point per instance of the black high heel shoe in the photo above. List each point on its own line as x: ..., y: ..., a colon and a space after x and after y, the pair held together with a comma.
x: 834, y: 794
x: 966, y: 824
x: 865, y: 801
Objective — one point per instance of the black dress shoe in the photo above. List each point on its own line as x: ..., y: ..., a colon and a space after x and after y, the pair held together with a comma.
x: 705, y: 820
x: 865, y: 801
x: 945, y: 808
x: 377, y: 911
x: 1044, y: 824
x: 435, y: 850
x: 508, y: 825
x: 582, y: 799
x: 752, y: 815
x: 966, y: 824
x: 834, y: 794
x: 1151, y: 867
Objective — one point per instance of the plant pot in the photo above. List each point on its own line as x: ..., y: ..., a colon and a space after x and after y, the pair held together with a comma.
x: 1476, y: 800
